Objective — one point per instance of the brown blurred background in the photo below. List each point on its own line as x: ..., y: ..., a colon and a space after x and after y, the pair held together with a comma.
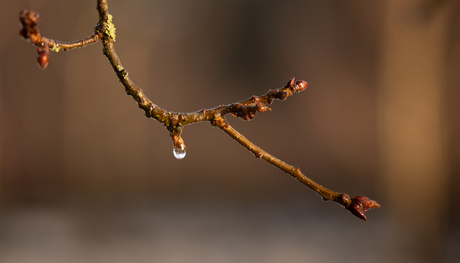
x: 85, y: 177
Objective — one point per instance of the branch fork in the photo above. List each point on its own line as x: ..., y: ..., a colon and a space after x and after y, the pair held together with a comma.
x: 174, y: 122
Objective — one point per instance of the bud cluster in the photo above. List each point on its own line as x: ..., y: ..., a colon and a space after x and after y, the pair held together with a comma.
x: 281, y: 94
x: 247, y: 112
x: 360, y: 204
x: 29, y: 31
x: 247, y: 109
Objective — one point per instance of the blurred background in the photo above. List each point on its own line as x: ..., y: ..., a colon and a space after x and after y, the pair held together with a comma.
x: 85, y: 177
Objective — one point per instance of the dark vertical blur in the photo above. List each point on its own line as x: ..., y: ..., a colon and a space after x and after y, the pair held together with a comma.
x: 84, y: 176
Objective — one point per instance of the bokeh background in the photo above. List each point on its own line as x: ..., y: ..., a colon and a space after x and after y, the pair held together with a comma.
x: 85, y: 177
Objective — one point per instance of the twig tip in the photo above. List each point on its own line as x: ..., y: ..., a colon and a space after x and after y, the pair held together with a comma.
x: 360, y: 204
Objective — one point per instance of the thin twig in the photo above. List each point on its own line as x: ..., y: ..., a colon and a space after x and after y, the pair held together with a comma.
x: 358, y: 205
x: 326, y: 194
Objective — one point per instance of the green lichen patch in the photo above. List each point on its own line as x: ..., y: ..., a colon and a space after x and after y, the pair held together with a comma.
x: 55, y: 48
x: 111, y: 30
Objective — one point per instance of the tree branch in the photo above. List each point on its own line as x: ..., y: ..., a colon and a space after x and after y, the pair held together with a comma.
x: 174, y: 121
x: 357, y: 205
x: 29, y: 22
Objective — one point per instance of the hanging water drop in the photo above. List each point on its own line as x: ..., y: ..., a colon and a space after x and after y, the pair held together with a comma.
x: 178, y: 145
x: 179, y: 153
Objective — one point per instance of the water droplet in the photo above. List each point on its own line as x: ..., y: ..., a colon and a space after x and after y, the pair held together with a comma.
x: 179, y: 153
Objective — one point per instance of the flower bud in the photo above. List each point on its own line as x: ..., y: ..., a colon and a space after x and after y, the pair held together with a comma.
x: 301, y: 84
x: 29, y: 18
x: 360, y: 204
x: 43, y: 57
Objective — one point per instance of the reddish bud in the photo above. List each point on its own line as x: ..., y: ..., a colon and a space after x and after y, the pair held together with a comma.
x: 29, y: 18
x: 360, y: 204
x: 29, y: 22
x: 301, y: 84
x: 43, y: 57
x: 290, y: 82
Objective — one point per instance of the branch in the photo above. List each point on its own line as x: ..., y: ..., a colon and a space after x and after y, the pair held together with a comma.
x: 174, y: 121
x: 29, y: 22
x: 357, y: 205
